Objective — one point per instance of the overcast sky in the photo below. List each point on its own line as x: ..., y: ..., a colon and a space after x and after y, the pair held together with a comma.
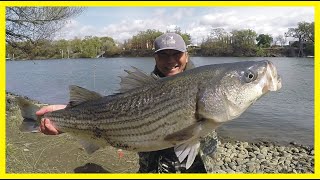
x: 122, y: 23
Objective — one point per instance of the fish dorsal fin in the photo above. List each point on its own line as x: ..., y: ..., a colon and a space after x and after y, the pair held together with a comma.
x: 134, y: 79
x: 190, y: 149
x: 79, y: 95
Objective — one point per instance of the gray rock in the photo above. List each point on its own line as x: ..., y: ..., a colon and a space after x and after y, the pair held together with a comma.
x: 260, y: 156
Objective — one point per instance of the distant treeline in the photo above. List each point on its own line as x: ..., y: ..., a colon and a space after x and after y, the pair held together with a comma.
x: 245, y: 42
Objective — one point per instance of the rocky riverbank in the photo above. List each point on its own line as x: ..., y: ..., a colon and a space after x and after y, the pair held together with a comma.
x: 262, y: 157
x: 35, y: 152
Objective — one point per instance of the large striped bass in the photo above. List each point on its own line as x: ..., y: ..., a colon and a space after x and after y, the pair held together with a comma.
x: 152, y: 114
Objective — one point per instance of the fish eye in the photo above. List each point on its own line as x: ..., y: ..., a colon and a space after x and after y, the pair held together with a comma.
x: 249, y: 76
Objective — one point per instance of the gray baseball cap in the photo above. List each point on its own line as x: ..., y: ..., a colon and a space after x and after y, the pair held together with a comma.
x: 169, y: 41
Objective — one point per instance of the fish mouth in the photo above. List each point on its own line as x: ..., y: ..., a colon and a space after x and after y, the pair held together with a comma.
x: 274, y: 81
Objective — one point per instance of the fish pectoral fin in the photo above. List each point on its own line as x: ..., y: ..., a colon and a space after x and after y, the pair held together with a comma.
x: 190, y: 149
x: 79, y: 95
x: 134, y: 79
x: 89, y: 147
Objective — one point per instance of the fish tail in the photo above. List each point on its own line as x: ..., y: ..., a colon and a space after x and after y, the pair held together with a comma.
x: 28, y: 110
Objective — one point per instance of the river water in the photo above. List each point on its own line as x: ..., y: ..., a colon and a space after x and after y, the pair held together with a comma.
x: 283, y: 116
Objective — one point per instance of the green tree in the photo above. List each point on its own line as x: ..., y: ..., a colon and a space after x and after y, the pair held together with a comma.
x: 109, y: 47
x: 264, y: 40
x: 61, y: 49
x: 144, y: 39
x: 187, y: 38
x: 152, y: 34
x: 220, y: 43
x: 243, y: 42
x: 92, y: 47
x: 76, y: 47
x: 43, y: 50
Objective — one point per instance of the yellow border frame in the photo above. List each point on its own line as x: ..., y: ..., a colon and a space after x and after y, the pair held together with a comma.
x: 3, y: 174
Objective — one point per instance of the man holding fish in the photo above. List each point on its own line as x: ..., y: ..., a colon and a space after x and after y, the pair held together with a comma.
x: 165, y: 117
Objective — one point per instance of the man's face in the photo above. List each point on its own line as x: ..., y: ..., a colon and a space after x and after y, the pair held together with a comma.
x: 171, y: 62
